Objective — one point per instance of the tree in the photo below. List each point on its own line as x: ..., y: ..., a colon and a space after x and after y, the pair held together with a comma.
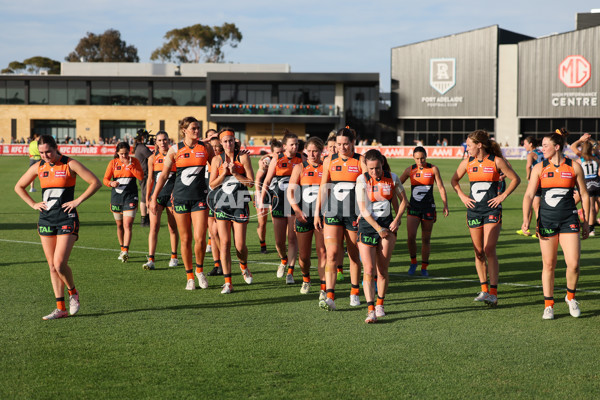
x: 198, y: 43
x: 107, y: 47
x: 33, y: 65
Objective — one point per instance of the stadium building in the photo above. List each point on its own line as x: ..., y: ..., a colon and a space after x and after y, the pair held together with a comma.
x: 106, y: 100
x: 509, y: 84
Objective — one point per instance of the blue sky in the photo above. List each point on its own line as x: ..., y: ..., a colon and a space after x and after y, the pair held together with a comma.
x: 310, y: 35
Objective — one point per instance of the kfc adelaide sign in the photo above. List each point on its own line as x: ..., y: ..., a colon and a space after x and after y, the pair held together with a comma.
x: 574, y: 71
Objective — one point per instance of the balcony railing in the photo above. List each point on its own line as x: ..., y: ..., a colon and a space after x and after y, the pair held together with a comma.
x: 275, y: 109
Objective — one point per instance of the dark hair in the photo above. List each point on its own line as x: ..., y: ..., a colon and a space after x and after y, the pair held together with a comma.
x: 49, y: 140
x: 559, y: 137
x: 184, y: 123
x: 122, y: 145
x: 301, y: 145
x: 162, y: 132
x: 348, y: 132
x: 374, y: 155
x: 317, y: 142
x: 288, y: 135
x: 532, y: 140
x: 275, y: 143
x: 489, y: 145
x: 420, y: 149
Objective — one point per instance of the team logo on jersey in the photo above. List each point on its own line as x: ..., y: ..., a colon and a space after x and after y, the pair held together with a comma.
x: 311, y: 174
x: 338, y: 168
x: 199, y: 154
x: 283, y: 165
x: 474, y: 169
x: 353, y: 168
x: 442, y: 74
x: 118, y: 168
x: 160, y: 161
x: 60, y: 174
x: 479, y: 189
x: 566, y: 175
x: 488, y: 170
x: 45, y: 174
x: 386, y: 189
x: 550, y: 174
x: 417, y: 175
x: 419, y: 192
x: 427, y: 175
x: 186, y: 155
x: 51, y: 196
x: 188, y: 175
x: 554, y: 196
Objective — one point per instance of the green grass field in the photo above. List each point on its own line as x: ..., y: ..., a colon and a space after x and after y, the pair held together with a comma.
x: 139, y: 334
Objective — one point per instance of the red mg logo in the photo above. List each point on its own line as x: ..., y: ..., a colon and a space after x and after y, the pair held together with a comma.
x: 574, y: 71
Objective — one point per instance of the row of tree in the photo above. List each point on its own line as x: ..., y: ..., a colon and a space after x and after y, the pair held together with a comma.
x: 192, y: 44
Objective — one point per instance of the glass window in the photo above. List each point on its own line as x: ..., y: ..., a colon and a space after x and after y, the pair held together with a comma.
x: 76, y: 93
x: 199, y: 93
x: 119, y: 93
x: 588, y: 125
x: 162, y: 94
x: 38, y: 92
x: 469, y: 125
x: 61, y: 130
x: 138, y: 93
x: 58, y: 92
x: 120, y: 130
x: 360, y: 102
x: 15, y: 92
x: 100, y: 93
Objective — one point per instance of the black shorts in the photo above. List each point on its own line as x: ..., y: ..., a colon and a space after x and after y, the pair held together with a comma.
x: 239, y: 215
x: 67, y: 228
x: 280, y: 208
x: 129, y: 202
x: 593, y: 187
x: 165, y: 201
x: 188, y: 206
x: 349, y: 223
x: 477, y: 221
x: 424, y: 215
x: 302, y: 227
x: 548, y: 228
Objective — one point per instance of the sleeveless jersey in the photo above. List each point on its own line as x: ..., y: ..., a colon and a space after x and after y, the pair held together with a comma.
x: 231, y: 187
x: 126, y: 176
x: 484, y: 177
x: 557, y: 185
x: 58, y: 188
x: 539, y: 157
x: 283, y: 171
x: 343, y: 175
x: 421, y: 187
x: 377, y: 195
x: 590, y: 167
x: 159, y: 160
x: 190, y: 184
x: 310, y: 181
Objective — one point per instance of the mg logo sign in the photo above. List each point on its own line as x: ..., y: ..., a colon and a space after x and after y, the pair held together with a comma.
x: 442, y: 74
x: 574, y: 71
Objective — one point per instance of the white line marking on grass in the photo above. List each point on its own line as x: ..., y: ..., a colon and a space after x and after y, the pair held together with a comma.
x: 268, y: 263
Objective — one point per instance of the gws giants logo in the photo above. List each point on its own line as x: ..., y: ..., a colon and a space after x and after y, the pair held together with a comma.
x: 442, y: 74
x: 574, y: 71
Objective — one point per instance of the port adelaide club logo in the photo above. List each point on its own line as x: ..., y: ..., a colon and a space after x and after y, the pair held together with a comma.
x: 442, y: 77
x: 442, y: 74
